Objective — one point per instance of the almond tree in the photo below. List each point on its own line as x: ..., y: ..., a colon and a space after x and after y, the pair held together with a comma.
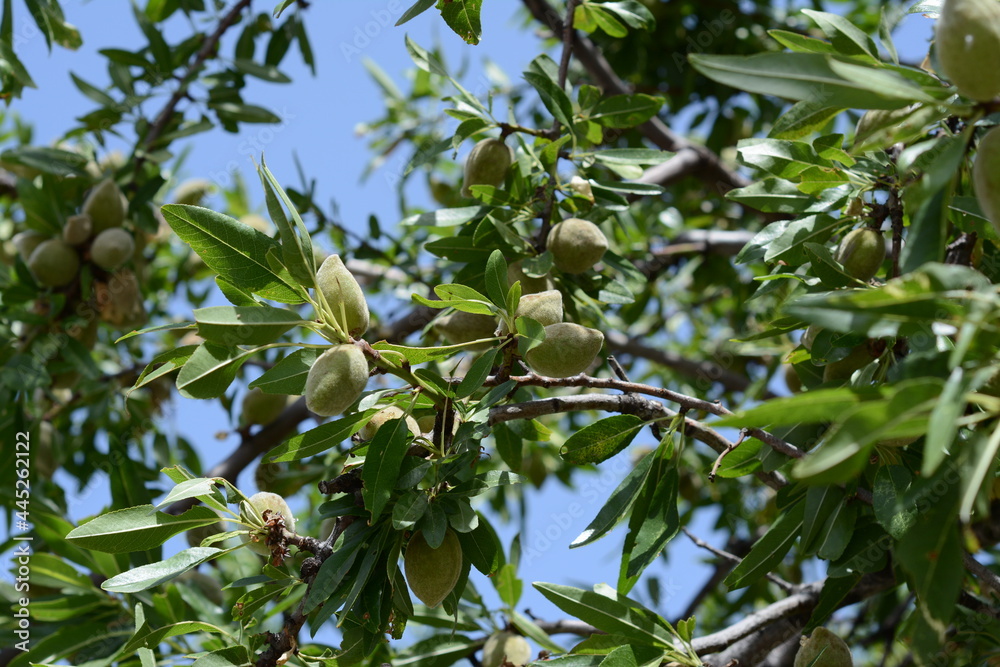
x: 796, y: 309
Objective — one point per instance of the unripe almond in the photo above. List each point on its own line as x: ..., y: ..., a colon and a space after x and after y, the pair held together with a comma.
x: 261, y: 408
x: 119, y: 301
x: 825, y: 648
x: 208, y: 586
x: 568, y: 349
x: 78, y: 229
x: 581, y: 186
x: 432, y: 573
x: 544, y: 307
x: 967, y: 37
x: 862, y: 252
x: 336, y: 380
x: 506, y: 648
x: 112, y: 248
x: 25, y: 242
x: 54, y: 263
x: 258, y: 222
x: 986, y: 176
x: 576, y: 245
x: 105, y: 205
x: 529, y: 284
x: 792, y: 379
x: 487, y: 164
x: 193, y: 191
x: 369, y: 430
x: 260, y: 502
x: 341, y: 290
x: 843, y: 369
x: 461, y: 327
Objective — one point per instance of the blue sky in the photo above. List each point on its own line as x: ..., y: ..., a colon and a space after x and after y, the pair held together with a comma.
x: 321, y: 114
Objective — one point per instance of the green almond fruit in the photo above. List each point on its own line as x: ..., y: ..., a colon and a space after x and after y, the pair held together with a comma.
x: 193, y: 191
x: 432, y: 573
x: 112, y: 248
x: 195, y: 536
x: 460, y: 327
x: 343, y: 295
x: 120, y: 301
x: 506, y: 648
x: 823, y: 649
x: 77, y: 229
x: 986, y: 176
x: 105, y: 205
x: 54, y: 263
x: 529, y: 284
x: 576, y: 245
x: 487, y: 164
x: 862, y: 252
x: 967, y: 38
x: 843, y: 369
x: 208, y: 586
x: 568, y: 349
x: 336, y: 379
x: 792, y: 379
x: 544, y: 307
x: 25, y: 242
x: 259, y: 503
x: 258, y: 222
x: 369, y: 430
x: 261, y: 408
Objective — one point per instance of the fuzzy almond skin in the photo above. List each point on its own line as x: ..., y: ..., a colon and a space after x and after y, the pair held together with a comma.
x: 261, y: 408
x: 862, y: 252
x: 568, y: 349
x: 54, y: 263
x: 461, y: 327
x: 986, y: 176
x: 576, y: 245
x: 507, y: 646
x: 336, y: 380
x: 967, y: 36
x: 339, y: 287
x: 487, y: 164
x: 78, y: 229
x: 529, y: 285
x: 431, y: 574
x: 193, y: 191
x: 105, y: 205
x: 544, y: 307
x: 369, y: 430
x: 112, y: 248
x: 261, y: 501
x: 843, y: 369
x: 836, y: 654
x: 25, y: 242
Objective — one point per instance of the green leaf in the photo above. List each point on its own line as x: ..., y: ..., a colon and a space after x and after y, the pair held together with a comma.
x: 623, y: 111
x: 382, y: 465
x: 477, y: 374
x: 846, y: 37
x: 245, y: 325
x: 654, y: 520
x: 543, y: 78
x: 296, y: 245
x: 601, y: 440
x: 210, y: 370
x: 240, y: 112
x: 149, y: 576
x: 895, y: 514
x: 822, y: 501
x: 769, y: 550
x: 148, y: 637
x: 415, y: 10
x: 268, y: 73
x: 317, y: 440
x: 812, y: 77
x: 462, y: 16
x: 288, y: 376
x: 235, y: 251
x: 496, y: 279
x: 608, y: 614
x: 137, y: 528
x: 482, y: 547
x: 618, y: 504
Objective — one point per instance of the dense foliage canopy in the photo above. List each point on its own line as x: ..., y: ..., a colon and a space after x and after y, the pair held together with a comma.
x: 739, y: 246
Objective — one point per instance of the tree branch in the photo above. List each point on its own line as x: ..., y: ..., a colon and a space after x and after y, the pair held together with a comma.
x: 203, y: 54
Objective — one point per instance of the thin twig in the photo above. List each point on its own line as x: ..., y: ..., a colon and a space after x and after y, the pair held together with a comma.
x: 778, y: 581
